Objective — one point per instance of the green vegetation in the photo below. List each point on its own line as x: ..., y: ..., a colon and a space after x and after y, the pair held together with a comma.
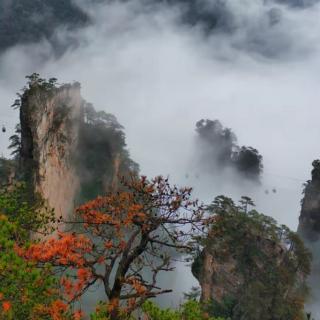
x: 309, y: 219
x: 259, y: 267
x: 269, y: 263
x: 101, y: 154
x: 29, y: 214
x: 190, y: 310
x: 25, y: 290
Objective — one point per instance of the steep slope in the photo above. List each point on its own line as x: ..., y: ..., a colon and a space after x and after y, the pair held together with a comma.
x: 309, y: 220
x: 250, y: 267
x: 49, y: 134
x: 309, y: 230
x: 68, y: 152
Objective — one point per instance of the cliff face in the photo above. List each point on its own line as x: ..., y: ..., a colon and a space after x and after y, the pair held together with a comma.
x: 49, y: 137
x: 250, y: 267
x: 309, y: 230
x: 217, y: 279
x: 68, y: 151
x: 309, y: 220
x: 220, y: 276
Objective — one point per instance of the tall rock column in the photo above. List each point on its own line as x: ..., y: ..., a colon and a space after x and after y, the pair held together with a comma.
x: 68, y: 152
x: 309, y: 230
x: 309, y: 220
x: 49, y: 137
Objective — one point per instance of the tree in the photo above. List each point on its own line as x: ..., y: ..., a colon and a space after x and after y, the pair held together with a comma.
x: 123, y: 240
x: 261, y: 267
x: 102, y: 153
x: 15, y: 142
x: 193, y: 294
x: 29, y: 212
x: 221, y: 140
x: 190, y: 310
x: 26, y: 291
x: 248, y: 162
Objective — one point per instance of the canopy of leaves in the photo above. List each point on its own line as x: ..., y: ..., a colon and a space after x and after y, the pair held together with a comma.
x: 125, y: 235
x: 15, y: 142
x: 101, y: 154
x: 29, y: 213
x: 190, y: 310
x: 270, y: 262
x: 26, y: 291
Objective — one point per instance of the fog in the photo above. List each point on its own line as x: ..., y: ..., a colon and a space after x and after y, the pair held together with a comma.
x: 258, y: 74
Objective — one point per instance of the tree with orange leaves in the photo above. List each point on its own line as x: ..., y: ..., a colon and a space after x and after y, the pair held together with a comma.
x: 26, y: 291
x: 123, y: 241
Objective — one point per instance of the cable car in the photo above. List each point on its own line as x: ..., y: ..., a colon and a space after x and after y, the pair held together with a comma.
x: 4, y: 129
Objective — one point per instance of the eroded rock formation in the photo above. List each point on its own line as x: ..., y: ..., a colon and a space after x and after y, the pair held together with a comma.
x: 309, y: 220
x: 49, y: 138
x: 250, y: 267
x: 68, y: 152
x: 309, y: 230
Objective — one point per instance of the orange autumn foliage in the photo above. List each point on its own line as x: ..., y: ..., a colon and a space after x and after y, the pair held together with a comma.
x: 78, y: 315
x: 6, y: 306
x: 57, y: 309
x: 120, y: 231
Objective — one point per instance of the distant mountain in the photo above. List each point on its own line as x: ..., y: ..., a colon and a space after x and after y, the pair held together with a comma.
x: 27, y: 21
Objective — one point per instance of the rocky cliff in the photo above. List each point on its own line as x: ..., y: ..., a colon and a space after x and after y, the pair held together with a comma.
x: 68, y: 152
x: 250, y: 267
x: 50, y: 121
x: 217, y: 279
x: 309, y: 230
x: 309, y: 220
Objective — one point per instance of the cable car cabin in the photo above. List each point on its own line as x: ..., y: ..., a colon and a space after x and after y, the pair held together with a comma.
x: 4, y: 129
